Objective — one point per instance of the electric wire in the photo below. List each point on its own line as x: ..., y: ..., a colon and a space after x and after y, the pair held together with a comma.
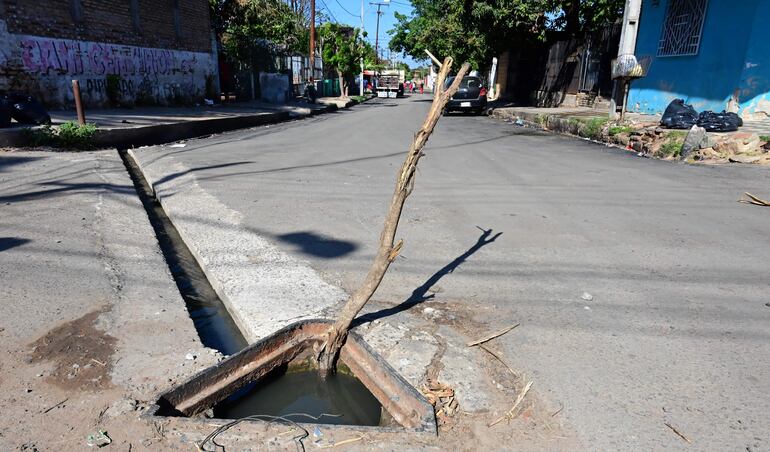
x: 269, y: 419
x: 344, y: 9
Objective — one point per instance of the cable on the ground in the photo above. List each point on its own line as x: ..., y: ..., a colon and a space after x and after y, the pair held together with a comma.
x: 269, y: 419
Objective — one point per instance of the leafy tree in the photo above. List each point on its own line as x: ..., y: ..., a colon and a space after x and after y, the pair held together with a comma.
x: 250, y: 29
x: 477, y: 30
x: 343, y: 48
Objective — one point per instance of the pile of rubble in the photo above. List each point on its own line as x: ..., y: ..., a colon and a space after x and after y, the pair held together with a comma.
x: 694, y: 145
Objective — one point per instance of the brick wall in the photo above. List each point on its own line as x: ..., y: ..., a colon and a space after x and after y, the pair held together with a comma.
x: 112, y: 21
x: 123, y: 52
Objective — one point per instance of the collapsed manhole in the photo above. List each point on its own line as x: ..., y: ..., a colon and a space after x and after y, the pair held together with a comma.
x: 273, y: 377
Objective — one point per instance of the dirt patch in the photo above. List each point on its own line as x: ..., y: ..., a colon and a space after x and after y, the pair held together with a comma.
x: 82, y: 354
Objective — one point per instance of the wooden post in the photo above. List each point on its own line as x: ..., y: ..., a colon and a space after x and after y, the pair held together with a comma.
x: 78, y: 102
x: 388, y: 251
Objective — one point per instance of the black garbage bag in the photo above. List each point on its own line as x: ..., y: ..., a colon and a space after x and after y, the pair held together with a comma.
x: 5, y: 113
x: 679, y: 115
x: 719, y: 122
x: 27, y: 110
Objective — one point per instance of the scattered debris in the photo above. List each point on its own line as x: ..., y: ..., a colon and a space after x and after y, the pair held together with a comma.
x: 98, y: 439
x: 340, y: 443
x: 587, y: 296
x: 190, y: 356
x: 55, y: 406
x: 442, y: 397
x: 754, y: 200
x: 511, y: 414
x: 492, y: 336
x: 680, y: 434
x: 557, y: 411
x: 499, y: 358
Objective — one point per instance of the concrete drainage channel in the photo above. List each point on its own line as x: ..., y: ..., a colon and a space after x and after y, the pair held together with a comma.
x: 273, y: 379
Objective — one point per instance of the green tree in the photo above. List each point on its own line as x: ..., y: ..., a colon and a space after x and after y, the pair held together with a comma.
x: 343, y: 48
x: 247, y: 29
x: 477, y: 30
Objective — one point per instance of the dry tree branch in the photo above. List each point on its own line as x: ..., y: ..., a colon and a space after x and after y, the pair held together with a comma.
x: 329, y: 351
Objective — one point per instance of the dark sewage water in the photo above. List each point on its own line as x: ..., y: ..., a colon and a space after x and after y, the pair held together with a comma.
x: 294, y: 394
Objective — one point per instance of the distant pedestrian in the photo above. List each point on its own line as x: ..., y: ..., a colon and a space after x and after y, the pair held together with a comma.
x: 422, y: 87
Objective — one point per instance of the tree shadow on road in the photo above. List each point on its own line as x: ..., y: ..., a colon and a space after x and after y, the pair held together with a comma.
x: 318, y: 245
x: 420, y: 294
x: 7, y: 243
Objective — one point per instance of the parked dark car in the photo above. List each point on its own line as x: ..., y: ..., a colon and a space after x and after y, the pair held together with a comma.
x: 471, y: 96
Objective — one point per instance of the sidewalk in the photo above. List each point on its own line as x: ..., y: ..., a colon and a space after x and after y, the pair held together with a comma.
x: 642, y: 133
x: 123, y: 128
x: 92, y: 325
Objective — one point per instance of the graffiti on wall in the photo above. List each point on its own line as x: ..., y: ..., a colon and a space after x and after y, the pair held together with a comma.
x: 67, y: 57
x: 109, y: 74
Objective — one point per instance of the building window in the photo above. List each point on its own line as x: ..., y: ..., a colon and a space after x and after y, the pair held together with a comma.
x: 135, y: 15
x: 682, y: 27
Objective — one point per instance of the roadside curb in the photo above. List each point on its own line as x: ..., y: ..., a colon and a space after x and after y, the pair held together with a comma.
x: 124, y: 138
x: 551, y: 123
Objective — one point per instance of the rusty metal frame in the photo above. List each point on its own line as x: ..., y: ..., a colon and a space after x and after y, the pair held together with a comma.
x: 205, y: 389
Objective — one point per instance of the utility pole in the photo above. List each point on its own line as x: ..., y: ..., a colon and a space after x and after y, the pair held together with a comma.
x: 312, y: 40
x: 361, y: 76
x: 377, y: 33
x: 627, y: 46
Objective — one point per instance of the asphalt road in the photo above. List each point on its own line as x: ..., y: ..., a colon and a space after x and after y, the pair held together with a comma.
x: 678, y: 330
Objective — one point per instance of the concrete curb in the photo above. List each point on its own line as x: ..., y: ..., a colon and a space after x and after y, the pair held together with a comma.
x: 124, y: 138
x: 166, y: 133
x: 550, y: 122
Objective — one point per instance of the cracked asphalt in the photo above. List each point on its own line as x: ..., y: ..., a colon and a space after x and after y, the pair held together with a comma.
x: 677, y: 329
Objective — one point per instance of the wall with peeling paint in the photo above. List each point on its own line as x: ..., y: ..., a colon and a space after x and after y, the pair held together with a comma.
x: 731, y: 70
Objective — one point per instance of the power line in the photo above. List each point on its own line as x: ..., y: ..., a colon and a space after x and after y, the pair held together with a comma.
x: 343, y: 8
x: 329, y: 11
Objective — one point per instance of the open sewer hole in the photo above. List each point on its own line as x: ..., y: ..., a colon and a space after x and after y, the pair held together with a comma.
x: 298, y: 393
x: 288, y: 387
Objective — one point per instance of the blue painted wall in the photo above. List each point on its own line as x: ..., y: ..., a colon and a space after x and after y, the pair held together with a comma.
x: 732, y: 37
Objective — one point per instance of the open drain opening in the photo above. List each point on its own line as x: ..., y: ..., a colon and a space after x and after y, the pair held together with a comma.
x: 296, y: 391
x: 215, y: 327
x: 287, y: 386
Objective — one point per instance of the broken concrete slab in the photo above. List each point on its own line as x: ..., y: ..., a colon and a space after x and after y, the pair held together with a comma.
x: 693, y: 140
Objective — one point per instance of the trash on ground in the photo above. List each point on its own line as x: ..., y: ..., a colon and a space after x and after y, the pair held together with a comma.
x: 679, y: 115
x: 442, y: 397
x: 719, y: 122
x: 512, y: 413
x: 27, y: 110
x: 343, y: 442
x: 98, y: 439
x: 754, y: 200
x: 178, y: 145
x: 678, y: 433
x: 491, y: 336
x: 587, y: 296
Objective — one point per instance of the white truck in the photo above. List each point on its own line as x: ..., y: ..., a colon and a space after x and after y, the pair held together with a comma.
x: 390, y: 83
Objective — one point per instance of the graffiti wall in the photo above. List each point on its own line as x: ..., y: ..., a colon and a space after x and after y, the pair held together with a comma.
x: 109, y: 74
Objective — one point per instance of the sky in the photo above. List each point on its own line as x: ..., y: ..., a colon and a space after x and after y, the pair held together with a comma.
x: 349, y: 12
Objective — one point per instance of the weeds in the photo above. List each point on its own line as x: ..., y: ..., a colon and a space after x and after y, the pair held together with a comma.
x: 673, y: 145
x: 69, y: 135
x: 765, y: 138
x: 615, y: 130
x: 593, y: 128
x: 541, y: 119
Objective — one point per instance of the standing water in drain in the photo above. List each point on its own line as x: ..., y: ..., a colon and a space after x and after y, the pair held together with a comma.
x: 213, y: 323
x: 304, y: 391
